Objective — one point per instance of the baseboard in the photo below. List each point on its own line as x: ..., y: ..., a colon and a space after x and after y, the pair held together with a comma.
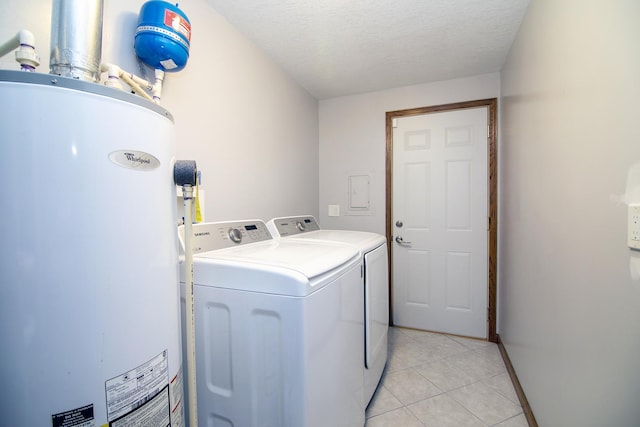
x: 528, y: 414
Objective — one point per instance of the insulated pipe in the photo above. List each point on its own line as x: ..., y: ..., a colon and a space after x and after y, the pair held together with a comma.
x: 184, y: 173
x: 25, y: 42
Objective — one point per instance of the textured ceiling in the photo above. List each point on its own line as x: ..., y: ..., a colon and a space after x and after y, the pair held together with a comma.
x: 343, y: 47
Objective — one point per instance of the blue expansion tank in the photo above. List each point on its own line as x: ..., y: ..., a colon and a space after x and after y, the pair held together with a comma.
x: 163, y: 36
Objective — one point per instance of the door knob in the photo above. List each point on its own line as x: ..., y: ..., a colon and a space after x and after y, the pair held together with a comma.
x: 400, y: 241
x: 399, y: 224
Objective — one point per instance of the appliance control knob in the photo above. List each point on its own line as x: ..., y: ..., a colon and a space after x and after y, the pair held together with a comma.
x: 235, y: 235
x: 300, y: 225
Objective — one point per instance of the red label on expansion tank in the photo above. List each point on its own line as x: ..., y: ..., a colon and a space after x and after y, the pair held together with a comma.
x: 178, y: 23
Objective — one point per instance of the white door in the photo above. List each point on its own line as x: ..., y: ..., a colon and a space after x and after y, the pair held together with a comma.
x: 439, y: 248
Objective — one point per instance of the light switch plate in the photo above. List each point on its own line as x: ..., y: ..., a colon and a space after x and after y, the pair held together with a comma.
x: 334, y: 210
x: 633, y: 226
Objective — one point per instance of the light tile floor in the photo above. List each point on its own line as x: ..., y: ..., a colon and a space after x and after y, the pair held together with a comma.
x: 437, y: 380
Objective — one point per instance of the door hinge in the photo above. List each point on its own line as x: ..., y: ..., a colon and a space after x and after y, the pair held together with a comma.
x: 394, y: 122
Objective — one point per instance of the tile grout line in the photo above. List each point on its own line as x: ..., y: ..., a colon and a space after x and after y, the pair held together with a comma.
x: 401, y: 339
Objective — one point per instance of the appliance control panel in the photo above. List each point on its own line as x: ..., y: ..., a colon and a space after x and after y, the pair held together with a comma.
x: 210, y: 236
x: 293, y: 225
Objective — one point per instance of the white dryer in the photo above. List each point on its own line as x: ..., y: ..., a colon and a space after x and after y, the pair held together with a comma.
x: 373, y: 250
x: 278, y: 326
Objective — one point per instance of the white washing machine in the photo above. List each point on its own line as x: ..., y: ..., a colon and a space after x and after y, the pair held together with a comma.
x: 373, y: 250
x: 278, y: 326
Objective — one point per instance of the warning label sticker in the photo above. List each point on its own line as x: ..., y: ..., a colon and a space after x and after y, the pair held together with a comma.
x: 178, y: 23
x: 132, y: 390
x: 79, y: 417
x: 154, y: 412
x: 175, y: 396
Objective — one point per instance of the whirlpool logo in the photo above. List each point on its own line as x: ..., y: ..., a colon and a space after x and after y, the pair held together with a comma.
x: 133, y: 159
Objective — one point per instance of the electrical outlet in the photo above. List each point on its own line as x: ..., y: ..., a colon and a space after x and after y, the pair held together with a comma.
x: 633, y: 226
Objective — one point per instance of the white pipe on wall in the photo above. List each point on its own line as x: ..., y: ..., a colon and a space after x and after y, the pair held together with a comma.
x: 115, y: 73
x: 25, y: 42
x: 192, y: 413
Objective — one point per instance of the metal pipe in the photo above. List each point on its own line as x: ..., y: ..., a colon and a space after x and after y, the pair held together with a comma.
x: 76, y: 39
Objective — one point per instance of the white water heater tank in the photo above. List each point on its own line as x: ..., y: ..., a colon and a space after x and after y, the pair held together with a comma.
x: 89, y: 296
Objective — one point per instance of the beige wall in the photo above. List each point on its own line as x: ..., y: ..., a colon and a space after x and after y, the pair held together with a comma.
x: 570, y: 162
x: 251, y: 129
x: 352, y: 141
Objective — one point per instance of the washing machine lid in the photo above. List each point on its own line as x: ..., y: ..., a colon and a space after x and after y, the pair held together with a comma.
x: 308, y: 258
x: 243, y: 255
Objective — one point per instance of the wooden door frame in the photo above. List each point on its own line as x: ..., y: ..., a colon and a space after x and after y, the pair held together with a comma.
x: 492, y: 183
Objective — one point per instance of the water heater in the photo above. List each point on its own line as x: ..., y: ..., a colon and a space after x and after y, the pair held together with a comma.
x: 89, y: 296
